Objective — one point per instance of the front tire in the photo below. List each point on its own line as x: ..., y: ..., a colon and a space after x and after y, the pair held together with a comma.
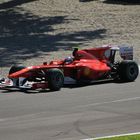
x: 15, y: 69
x: 55, y: 79
x: 128, y: 71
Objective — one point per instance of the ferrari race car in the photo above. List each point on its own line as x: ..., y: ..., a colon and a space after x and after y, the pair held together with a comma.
x: 85, y: 65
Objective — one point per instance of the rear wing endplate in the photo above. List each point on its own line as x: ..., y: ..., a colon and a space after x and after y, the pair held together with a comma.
x: 126, y: 52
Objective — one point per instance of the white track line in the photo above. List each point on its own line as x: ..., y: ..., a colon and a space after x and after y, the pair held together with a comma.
x: 113, y: 136
x: 115, y: 102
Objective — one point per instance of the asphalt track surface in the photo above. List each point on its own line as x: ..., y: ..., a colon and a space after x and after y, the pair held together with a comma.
x: 74, y: 113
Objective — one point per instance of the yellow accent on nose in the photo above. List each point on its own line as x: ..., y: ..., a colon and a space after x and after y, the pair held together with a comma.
x: 86, y: 71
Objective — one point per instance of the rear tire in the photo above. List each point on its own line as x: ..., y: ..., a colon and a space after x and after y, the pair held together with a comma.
x: 128, y: 71
x: 55, y: 78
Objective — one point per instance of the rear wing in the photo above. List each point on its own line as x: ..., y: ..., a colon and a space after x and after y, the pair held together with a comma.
x: 109, y: 51
x: 105, y: 52
x: 126, y: 52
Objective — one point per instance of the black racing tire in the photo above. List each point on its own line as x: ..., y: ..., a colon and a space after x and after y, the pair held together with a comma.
x: 55, y: 78
x: 15, y: 68
x: 128, y: 71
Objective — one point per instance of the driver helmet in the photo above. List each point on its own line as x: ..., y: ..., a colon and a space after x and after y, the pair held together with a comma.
x: 68, y: 60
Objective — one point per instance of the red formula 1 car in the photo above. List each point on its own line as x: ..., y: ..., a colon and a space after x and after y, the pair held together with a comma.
x: 84, y: 66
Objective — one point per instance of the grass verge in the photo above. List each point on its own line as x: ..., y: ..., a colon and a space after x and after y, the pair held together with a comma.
x: 130, y: 137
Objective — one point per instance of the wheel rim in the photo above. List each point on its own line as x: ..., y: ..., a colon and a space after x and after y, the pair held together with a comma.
x: 133, y: 71
x: 58, y: 80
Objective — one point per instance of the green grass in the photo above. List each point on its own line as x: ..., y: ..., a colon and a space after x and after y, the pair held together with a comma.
x: 131, y: 137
